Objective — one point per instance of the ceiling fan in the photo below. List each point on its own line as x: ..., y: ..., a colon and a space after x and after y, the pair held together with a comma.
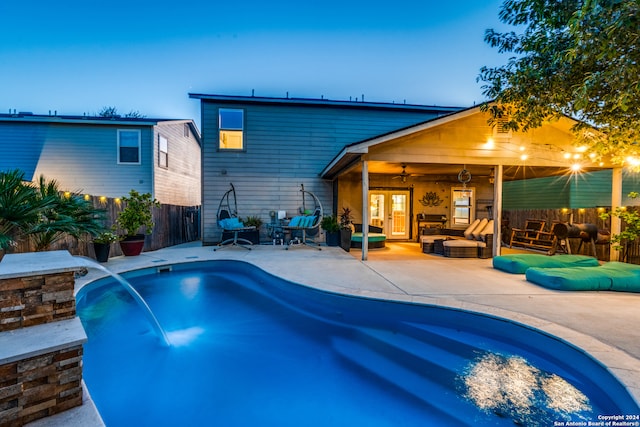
x: 403, y: 175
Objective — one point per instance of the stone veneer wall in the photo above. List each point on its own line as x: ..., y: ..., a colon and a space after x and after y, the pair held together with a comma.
x: 29, y: 301
x: 40, y: 386
x: 47, y: 381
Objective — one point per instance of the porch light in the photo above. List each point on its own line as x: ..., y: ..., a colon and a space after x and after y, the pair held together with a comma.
x: 567, y: 156
x: 524, y: 157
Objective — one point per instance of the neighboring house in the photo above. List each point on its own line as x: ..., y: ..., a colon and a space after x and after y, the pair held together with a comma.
x: 106, y: 156
x: 410, y: 160
x: 268, y: 147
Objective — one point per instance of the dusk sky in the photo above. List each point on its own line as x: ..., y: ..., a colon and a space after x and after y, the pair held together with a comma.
x: 75, y: 57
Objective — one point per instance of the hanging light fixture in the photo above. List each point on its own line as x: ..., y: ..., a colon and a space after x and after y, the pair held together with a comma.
x: 464, y: 177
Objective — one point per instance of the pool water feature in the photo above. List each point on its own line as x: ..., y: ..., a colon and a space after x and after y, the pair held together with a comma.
x: 248, y: 348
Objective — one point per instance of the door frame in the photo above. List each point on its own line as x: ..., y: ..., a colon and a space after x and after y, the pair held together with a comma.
x: 408, y: 190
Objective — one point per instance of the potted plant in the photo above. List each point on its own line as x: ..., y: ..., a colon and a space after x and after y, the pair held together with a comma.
x: 137, y: 213
x: 252, y: 235
x: 102, y: 244
x: 346, y: 221
x: 332, y: 228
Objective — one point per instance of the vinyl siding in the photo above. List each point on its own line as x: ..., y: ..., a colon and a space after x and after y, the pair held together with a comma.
x: 80, y: 158
x: 285, y: 146
x: 179, y: 183
x: 586, y: 190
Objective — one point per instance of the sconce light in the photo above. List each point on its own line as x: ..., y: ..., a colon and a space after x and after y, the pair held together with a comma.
x: 564, y: 210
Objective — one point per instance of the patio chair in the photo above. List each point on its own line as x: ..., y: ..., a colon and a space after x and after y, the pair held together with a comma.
x: 303, y: 228
x: 527, y: 235
x: 229, y: 222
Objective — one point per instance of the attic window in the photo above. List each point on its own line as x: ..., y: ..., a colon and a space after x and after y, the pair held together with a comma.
x: 500, y: 130
x: 163, y: 152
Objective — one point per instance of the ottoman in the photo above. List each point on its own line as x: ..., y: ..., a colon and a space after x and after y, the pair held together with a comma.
x: 460, y: 248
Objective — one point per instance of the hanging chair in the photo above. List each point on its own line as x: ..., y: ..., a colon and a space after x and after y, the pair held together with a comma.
x: 305, y: 227
x: 229, y: 221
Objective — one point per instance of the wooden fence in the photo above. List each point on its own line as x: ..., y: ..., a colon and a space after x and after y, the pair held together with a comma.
x: 517, y: 218
x: 173, y: 225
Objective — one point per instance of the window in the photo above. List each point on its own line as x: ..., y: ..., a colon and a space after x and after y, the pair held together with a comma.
x: 129, y: 146
x: 231, y: 129
x: 185, y: 130
x: 163, y: 152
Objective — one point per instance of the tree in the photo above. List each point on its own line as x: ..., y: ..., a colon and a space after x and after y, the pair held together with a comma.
x: 578, y: 58
x: 113, y: 113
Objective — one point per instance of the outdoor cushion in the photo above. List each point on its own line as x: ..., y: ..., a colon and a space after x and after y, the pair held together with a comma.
x: 460, y: 243
x: 230, y: 223
x: 488, y: 229
x: 373, y: 237
x: 615, y: 276
x: 469, y: 230
x: 519, y: 263
x: 476, y: 231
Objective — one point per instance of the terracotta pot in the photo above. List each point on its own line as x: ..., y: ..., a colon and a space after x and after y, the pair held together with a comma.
x: 132, y: 246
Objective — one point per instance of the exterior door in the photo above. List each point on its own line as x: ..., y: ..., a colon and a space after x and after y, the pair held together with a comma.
x: 390, y: 211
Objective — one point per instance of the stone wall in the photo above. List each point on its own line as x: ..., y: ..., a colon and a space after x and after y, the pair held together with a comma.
x: 29, y: 301
x: 40, y: 386
x: 40, y: 337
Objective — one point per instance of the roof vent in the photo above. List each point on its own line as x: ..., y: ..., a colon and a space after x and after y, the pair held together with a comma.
x: 500, y: 130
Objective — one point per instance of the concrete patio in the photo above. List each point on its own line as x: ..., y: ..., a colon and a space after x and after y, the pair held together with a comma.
x: 601, y: 323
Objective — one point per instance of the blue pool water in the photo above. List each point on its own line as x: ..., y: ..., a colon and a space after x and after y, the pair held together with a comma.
x: 249, y: 349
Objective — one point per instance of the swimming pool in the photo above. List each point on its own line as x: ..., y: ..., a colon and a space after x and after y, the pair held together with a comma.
x: 248, y: 348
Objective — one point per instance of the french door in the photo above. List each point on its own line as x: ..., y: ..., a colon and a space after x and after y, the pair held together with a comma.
x: 390, y: 211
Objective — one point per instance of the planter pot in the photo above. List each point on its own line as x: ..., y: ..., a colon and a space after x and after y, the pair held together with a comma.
x: 345, y: 239
x: 102, y: 251
x: 132, y: 246
x: 333, y: 238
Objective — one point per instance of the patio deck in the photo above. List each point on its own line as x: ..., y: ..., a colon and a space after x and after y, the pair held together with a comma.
x: 604, y: 324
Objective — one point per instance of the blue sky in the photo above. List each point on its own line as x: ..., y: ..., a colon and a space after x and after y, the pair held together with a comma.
x: 75, y: 57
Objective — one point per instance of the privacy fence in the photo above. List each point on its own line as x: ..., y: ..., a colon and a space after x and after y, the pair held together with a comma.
x: 173, y: 225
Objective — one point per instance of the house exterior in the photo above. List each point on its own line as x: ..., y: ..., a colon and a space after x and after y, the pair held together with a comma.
x: 106, y: 156
x: 268, y: 147
x: 394, y: 166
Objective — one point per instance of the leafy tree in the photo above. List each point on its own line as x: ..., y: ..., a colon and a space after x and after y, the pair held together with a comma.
x: 67, y: 214
x: 113, y: 112
x: 578, y: 58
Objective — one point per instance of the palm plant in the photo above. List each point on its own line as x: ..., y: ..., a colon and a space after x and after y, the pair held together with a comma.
x: 67, y: 214
x: 19, y: 207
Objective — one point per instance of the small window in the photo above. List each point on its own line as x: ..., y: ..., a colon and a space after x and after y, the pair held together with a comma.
x: 231, y: 129
x: 129, y: 146
x: 186, y: 130
x: 163, y: 152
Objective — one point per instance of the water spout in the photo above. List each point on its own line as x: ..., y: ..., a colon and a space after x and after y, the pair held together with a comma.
x: 90, y: 263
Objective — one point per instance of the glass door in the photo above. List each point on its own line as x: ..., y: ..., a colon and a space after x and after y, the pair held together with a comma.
x: 390, y: 211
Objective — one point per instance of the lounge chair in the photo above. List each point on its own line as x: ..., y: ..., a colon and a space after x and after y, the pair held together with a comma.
x: 229, y: 222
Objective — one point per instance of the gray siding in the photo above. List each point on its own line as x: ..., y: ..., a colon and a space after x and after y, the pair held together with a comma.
x: 179, y: 183
x: 80, y: 158
x: 285, y: 146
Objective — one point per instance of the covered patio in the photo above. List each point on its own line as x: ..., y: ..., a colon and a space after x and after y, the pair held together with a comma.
x: 431, y: 165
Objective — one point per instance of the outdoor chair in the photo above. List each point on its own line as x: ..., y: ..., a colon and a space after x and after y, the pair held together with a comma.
x: 229, y: 222
x: 303, y: 228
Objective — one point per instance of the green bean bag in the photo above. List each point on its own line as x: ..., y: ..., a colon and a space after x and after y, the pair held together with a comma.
x: 613, y: 276
x: 519, y: 263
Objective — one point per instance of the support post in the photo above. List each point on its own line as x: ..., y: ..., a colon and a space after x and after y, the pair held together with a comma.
x: 365, y: 210
x: 616, y: 201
